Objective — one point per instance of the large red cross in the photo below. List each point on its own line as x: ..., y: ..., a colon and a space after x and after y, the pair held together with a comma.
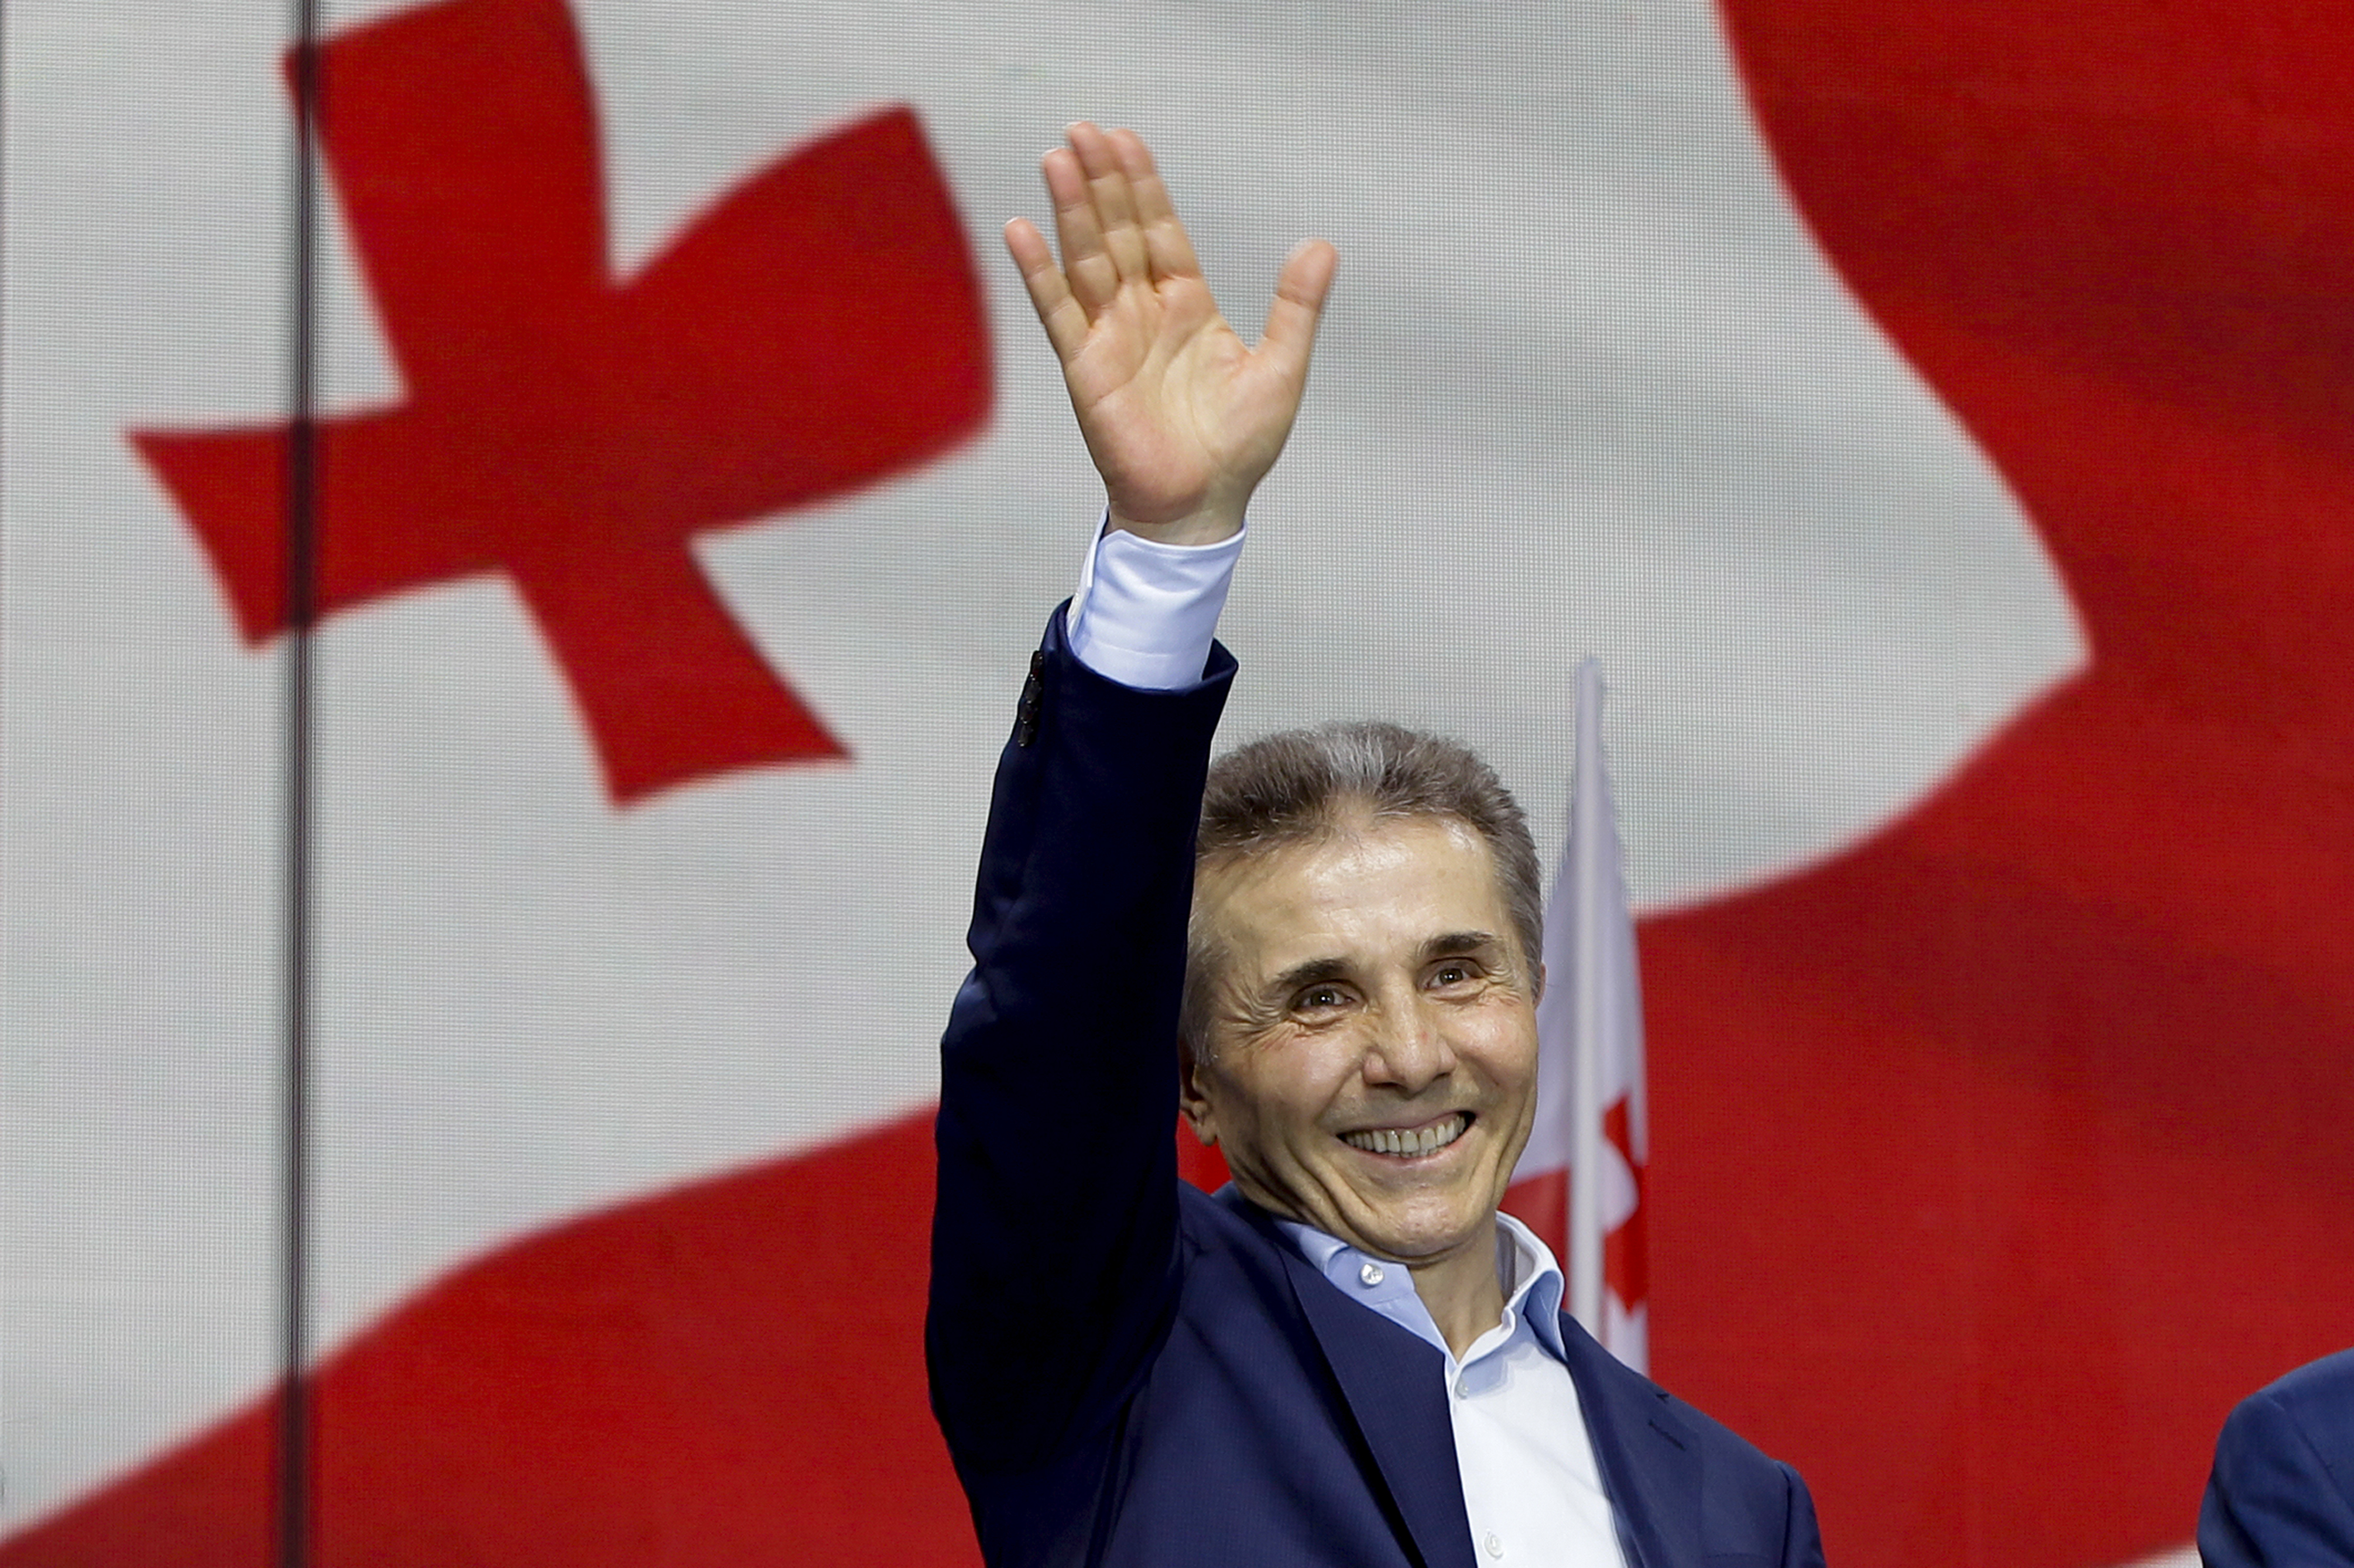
x: 817, y: 329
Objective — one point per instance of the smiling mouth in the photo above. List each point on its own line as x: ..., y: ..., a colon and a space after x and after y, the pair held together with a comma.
x: 1411, y: 1142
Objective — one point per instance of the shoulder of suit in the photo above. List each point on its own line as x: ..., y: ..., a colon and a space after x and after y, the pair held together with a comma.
x: 1220, y: 1219
x: 2330, y: 1378
x: 2316, y: 1396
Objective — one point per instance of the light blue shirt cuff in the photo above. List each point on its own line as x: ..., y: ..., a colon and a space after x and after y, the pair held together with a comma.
x: 1145, y: 613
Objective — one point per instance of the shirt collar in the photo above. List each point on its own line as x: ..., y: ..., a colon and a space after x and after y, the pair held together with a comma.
x: 1534, y: 1288
x: 1525, y: 1268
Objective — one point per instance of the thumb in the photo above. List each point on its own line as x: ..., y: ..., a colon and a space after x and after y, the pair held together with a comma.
x: 1298, y: 304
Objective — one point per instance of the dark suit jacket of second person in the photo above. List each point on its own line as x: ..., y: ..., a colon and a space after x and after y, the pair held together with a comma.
x: 1131, y: 1372
x: 2282, y: 1492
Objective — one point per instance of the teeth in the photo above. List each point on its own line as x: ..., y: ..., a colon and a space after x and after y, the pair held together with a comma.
x: 1420, y: 1140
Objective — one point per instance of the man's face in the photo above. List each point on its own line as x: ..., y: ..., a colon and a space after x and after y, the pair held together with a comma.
x: 1371, y: 1059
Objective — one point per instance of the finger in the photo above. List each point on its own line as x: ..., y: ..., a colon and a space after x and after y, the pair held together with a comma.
x: 1050, y: 294
x: 1093, y: 275
x: 1115, y: 203
x: 1300, y: 290
x: 1168, y: 247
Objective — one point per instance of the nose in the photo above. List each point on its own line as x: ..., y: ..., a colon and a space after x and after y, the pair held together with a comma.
x: 1408, y: 1050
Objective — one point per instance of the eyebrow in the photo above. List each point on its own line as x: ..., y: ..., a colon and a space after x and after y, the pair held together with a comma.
x: 1314, y: 972
x: 1455, y: 944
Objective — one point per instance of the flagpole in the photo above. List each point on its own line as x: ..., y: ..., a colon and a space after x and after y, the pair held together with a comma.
x: 1585, y: 981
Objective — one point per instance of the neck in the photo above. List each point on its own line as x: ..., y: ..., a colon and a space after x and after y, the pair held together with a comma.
x: 1461, y: 1291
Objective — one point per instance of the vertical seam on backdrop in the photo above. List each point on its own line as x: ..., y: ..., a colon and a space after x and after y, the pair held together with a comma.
x: 296, y: 1434
x: 6, y: 98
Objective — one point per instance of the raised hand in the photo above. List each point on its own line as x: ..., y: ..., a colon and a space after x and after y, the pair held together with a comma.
x: 1182, y: 416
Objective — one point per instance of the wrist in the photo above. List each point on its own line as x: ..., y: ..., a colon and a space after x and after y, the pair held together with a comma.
x: 1210, y: 525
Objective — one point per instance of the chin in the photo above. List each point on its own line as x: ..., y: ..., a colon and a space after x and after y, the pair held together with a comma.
x: 1420, y: 1233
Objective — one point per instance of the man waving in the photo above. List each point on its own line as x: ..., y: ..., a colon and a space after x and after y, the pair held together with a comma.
x: 1324, y: 950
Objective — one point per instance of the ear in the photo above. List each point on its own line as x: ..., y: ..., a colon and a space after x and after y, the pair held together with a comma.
x: 1194, y: 1099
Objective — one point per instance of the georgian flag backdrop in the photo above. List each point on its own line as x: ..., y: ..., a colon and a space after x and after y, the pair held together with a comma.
x: 1931, y: 416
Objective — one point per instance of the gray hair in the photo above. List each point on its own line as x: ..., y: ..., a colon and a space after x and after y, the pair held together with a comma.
x: 1297, y: 785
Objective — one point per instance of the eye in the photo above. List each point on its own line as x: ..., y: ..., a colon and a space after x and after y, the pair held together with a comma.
x: 1454, y: 972
x: 1319, y: 999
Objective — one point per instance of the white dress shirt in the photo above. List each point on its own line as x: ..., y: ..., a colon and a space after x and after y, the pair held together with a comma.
x: 1144, y: 615
x: 1530, y: 1483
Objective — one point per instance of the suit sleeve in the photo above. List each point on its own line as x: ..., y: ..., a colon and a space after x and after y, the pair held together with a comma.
x: 1054, y: 1227
x: 2274, y: 1498
x: 1802, y: 1540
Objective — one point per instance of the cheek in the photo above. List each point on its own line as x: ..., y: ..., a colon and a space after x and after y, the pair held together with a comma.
x: 1506, y: 1046
x: 1290, y: 1082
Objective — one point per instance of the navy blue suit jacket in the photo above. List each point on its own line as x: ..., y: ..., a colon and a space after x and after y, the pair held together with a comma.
x: 2282, y: 1492
x: 1130, y: 1371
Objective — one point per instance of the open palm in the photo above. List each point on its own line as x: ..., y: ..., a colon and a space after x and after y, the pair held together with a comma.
x: 1182, y: 416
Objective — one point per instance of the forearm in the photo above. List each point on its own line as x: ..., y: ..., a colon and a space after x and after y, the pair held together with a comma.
x: 1054, y: 1230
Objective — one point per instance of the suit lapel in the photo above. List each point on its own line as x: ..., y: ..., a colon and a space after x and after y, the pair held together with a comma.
x: 1396, y: 1388
x: 1646, y: 1456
